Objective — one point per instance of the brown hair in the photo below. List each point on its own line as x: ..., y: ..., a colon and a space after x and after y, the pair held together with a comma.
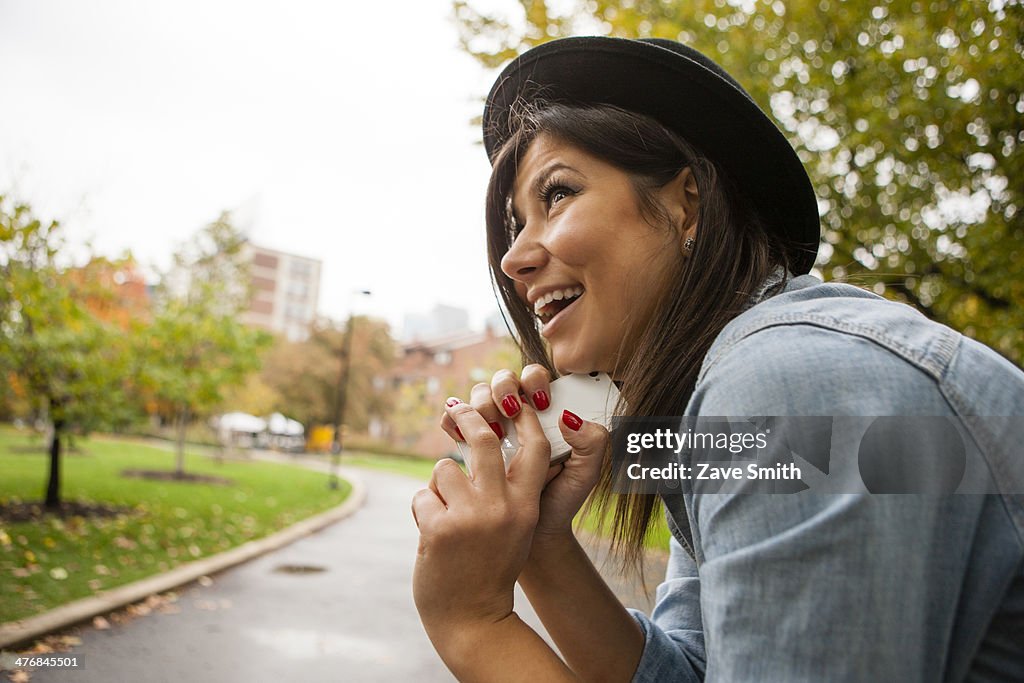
x: 732, y: 257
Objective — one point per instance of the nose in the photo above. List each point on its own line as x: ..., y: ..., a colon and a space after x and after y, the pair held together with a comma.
x: 525, y: 257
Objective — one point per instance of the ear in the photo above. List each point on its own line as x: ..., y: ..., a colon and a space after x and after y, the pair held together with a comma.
x: 682, y: 200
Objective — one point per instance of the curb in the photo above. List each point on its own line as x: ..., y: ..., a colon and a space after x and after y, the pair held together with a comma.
x: 19, y: 632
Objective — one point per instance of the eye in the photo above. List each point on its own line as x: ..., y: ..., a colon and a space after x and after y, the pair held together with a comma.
x: 558, y: 195
x: 554, y: 191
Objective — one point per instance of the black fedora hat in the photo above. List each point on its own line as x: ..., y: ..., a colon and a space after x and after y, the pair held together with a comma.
x: 685, y: 91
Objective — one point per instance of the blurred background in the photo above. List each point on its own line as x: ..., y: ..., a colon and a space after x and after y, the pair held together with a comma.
x: 231, y: 230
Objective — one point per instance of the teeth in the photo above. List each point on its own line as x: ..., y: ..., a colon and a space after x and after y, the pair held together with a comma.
x: 557, y: 295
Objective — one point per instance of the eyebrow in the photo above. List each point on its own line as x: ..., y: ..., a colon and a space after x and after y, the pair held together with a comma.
x: 540, y: 179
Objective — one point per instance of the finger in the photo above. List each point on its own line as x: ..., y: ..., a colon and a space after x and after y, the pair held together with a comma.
x: 553, y: 472
x: 536, y: 383
x: 505, y: 392
x: 426, y: 507
x: 480, y: 399
x: 432, y: 485
x: 589, y: 442
x: 450, y: 428
x: 585, y: 438
x: 533, y: 459
x: 450, y: 482
x: 488, y: 465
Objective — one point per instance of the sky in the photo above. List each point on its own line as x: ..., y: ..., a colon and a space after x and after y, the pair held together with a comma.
x: 338, y: 131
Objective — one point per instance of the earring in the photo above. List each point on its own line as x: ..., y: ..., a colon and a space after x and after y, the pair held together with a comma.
x: 688, y: 244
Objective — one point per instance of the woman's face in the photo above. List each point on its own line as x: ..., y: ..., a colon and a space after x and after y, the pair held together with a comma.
x: 585, y: 260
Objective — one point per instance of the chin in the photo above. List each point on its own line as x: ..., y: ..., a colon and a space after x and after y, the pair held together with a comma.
x: 575, y: 363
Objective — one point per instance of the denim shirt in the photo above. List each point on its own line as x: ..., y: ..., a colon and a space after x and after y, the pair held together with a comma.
x: 845, y: 587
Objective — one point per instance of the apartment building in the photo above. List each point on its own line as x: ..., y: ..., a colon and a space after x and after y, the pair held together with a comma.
x: 285, y: 291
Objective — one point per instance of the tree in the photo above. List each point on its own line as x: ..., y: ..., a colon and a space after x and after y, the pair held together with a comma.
x: 305, y: 374
x: 907, y: 116
x: 196, y: 346
x: 72, y: 365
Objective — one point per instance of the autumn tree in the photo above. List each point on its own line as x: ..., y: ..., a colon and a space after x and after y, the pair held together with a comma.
x: 907, y: 116
x: 305, y: 375
x: 73, y: 366
x: 196, y: 346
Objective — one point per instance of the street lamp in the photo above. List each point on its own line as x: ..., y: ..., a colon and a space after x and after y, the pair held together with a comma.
x: 341, y: 396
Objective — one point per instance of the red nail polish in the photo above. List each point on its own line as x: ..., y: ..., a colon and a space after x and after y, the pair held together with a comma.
x: 541, y: 400
x: 452, y: 402
x: 496, y: 428
x: 511, y: 405
x: 571, y: 420
x: 459, y: 432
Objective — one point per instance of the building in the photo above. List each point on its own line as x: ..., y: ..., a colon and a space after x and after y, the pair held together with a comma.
x: 285, y: 292
x: 440, y: 322
x: 431, y: 370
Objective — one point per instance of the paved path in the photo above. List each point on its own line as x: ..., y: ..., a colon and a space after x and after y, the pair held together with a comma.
x: 352, y: 621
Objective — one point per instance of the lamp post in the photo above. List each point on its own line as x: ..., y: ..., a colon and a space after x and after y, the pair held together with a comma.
x: 341, y: 396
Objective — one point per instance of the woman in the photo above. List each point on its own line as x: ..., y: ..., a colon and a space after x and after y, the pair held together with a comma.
x: 646, y: 219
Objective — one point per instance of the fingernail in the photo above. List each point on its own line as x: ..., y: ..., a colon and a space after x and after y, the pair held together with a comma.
x: 459, y: 432
x: 452, y: 402
x: 541, y: 400
x: 571, y: 420
x: 511, y: 405
x: 496, y: 427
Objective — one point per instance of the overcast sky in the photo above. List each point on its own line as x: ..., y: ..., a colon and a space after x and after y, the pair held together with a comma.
x: 336, y: 130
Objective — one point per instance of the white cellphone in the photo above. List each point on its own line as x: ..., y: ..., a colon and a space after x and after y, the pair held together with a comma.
x: 592, y: 397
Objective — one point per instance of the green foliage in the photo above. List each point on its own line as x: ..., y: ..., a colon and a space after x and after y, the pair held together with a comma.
x: 66, y: 362
x: 196, y: 346
x: 907, y: 116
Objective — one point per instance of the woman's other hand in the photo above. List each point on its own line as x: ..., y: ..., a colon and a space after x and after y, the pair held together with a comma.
x: 476, y: 532
x: 567, y: 484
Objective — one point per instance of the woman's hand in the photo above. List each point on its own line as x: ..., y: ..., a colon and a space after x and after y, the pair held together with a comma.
x: 476, y: 532
x: 567, y: 484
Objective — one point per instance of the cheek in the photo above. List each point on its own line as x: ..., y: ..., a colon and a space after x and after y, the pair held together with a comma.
x: 580, y: 237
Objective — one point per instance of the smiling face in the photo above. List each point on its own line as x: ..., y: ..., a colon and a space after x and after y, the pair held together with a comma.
x: 585, y: 259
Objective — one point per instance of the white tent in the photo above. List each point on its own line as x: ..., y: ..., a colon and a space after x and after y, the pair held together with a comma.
x: 241, y: 422
x: 279, y: 424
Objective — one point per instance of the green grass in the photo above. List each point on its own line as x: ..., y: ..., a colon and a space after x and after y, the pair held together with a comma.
x: 657, y: 538
x: 49, y: 562
x: 417, y: 468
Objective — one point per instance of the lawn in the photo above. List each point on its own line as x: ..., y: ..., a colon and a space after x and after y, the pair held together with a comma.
x: 421, y: 469
x: 49, y: 562
x: 417, y: 468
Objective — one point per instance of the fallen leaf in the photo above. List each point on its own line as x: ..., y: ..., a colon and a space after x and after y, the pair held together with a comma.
x: 100, y: 624
x: 140, y: 610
